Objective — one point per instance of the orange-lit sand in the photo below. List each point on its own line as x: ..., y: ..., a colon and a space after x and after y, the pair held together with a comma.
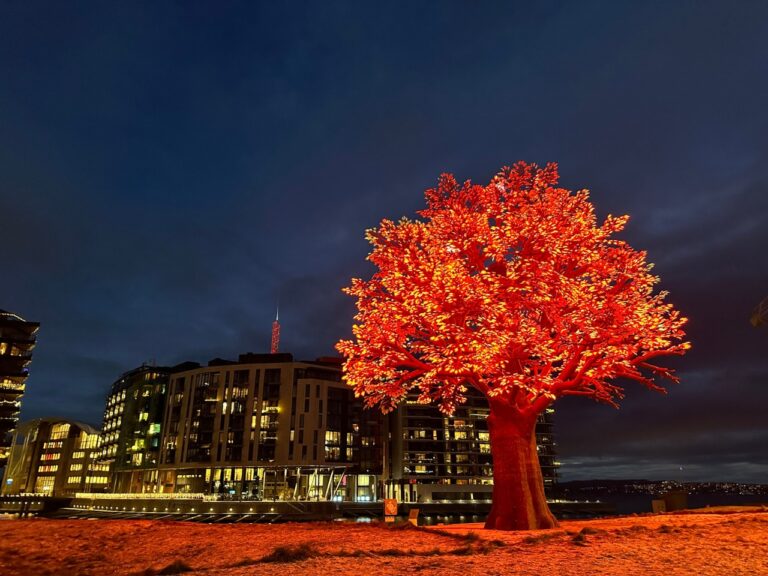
x: 699, y: 544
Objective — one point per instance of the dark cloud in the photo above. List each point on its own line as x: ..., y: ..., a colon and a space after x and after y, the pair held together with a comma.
x: 711, y: 420
x: 168, y: 174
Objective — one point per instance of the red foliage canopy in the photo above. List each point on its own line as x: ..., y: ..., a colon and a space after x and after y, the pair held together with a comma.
x: 513, y: 288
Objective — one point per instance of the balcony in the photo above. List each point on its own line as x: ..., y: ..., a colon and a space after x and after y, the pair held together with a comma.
x: 14, y: 365
x: 15, y: 333
x: 11, y: 388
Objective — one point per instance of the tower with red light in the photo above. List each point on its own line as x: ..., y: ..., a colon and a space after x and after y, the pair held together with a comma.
x: 275, y: 334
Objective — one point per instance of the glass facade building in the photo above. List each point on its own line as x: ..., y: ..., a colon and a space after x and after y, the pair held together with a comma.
x: 54, y: 457
x: 131, y: 430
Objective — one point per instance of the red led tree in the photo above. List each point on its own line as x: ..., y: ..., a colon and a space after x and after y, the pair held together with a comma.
x: 513, y: 289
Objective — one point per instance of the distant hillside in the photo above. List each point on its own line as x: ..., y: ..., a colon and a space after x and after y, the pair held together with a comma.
x: 654, y: 487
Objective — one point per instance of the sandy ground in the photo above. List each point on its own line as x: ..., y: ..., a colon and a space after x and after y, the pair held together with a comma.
x: 726, y: 542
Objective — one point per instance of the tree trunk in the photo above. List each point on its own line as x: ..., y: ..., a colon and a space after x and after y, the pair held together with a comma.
x: 518, y: 488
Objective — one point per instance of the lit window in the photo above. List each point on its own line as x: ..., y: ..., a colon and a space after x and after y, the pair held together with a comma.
x: 59, y: 431
x: 332, y: 437
x: 44, y: 484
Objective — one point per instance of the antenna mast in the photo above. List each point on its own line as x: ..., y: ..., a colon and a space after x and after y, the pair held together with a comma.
x: 275, y: 333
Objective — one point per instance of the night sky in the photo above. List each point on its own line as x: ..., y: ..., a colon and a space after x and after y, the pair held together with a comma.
x: 170, y: 171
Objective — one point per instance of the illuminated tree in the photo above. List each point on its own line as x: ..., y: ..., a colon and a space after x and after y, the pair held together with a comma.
x: 513, y: 289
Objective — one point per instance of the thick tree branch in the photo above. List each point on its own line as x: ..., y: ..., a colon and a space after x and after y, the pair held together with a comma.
x: 655, y: 354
